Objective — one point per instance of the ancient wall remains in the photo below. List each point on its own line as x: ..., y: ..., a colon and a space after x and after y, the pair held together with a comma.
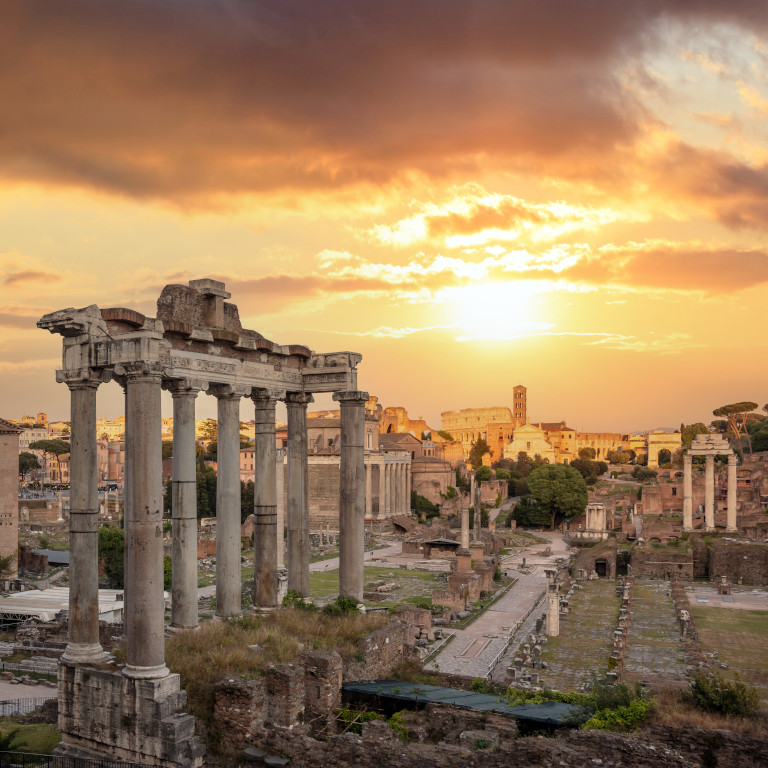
x: 741, y: 563
x: 9, y: 492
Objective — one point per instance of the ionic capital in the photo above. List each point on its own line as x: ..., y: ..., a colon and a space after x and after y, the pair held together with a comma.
x: 81, y: 378
x: 298, y: 398
x: 185, y: 387
x: 229, y: 391
x: 266, y: 399
x: 351, y: 397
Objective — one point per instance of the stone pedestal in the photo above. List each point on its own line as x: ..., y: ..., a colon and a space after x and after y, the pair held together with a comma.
x: 352, y: 494
x: 105, y: 715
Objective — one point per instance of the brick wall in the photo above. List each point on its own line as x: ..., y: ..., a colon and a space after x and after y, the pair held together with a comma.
x: 9, y: 495
x: 748, y: 562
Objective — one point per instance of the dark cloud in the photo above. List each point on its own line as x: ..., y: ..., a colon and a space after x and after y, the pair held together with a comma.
x: 188, y: 99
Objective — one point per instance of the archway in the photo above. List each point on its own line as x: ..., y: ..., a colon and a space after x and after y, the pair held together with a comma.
x: 601, y: 568
x: 665, y: 456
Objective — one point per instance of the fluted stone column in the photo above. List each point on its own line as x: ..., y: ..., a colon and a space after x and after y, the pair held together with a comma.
x: 687, y: 492
x: 732, y: 485
x: 384, y: 488
x: 368, y: 491
x: 228, y: 577
x: 407, y: 489
x: 265, y: 528
x: 83, y: 646
x: 709, y: 493
x: 144, y: 602
x: 298, y: 496
x: 401, y: 487
x: 352, y: 494
x: 184, y: 507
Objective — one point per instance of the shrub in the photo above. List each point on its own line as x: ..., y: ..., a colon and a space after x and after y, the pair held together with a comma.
x: 294, y: 599
x: 480, y: 685
x: 354, y: 719
x: 340, y: 606
x: 398, y: 726
x: 713, y: 693
x: 623, y: 718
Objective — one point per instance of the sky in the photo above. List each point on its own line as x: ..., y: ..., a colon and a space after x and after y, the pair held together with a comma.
x: 570, y: 195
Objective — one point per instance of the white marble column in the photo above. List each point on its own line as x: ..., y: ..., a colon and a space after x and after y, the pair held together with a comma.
x: 687, y: 492
x: 709, y: 493
x: 352, y: 494
x: 732, y: 486
x: 184, y: 509
x: 144, y: 600
x: 368, y: 491
x: 83, y: 645
x: 298, y: 492
x: 407, y: 489
x: 280, y: 482
x: 384, y: 486
x: 265, y: 528
x: 228, y: 575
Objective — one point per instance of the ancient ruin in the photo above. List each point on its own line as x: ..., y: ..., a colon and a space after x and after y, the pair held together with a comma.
x: 709, y: 446
x: 195, y: 344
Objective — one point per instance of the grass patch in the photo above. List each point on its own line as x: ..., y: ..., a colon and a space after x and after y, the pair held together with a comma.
x: 325, y: 584
x: 37, y: 738
x: 220, y: 649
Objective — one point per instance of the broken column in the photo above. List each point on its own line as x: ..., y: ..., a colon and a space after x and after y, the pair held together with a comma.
x: 352, y: 494
x: 83, y: 646
x: 184, y: 505
x: 265, y: 528
x: 228, y: 578
x: 298, y: 501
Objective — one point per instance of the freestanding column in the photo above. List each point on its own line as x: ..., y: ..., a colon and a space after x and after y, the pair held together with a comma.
x: 465, y: 528
x: 228, y: 578
x: 184, y: 509
x: 352, y: 494
x: 384, y: 486
x: 687, y: 492
x: 83, y: 646
x: 144, y: 603
x: 478, y: 511
x: 265, y: 527
x: 732, y: 485
x: 709, y: 493
x: 552, y: 628
x: 407, y: 489
x: 298, y: 497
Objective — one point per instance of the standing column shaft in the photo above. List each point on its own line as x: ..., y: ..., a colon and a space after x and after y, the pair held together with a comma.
x: 709, y: 493
x: 228, y: 579
x: 298, y: 497
x: 384, y: 484
x: 732, y: 485
x: 368, y: 493
x: 83, y: 645
x: 352, y: 494
x: 144, y: 602
x: 478, y: 511
x: 265, y: 503
x: 280, y: 482
x: 407, y: 489
x: 687, y: 493
x: 465, y: 528
x: 184, y: 511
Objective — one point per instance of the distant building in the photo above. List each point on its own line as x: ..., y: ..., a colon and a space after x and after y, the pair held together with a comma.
x: 532, y: 440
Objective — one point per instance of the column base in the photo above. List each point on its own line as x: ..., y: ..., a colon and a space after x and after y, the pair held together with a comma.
x: 731, y: 530
x: 146, y: 673
x: 175, y: 629
x: 83, y: 653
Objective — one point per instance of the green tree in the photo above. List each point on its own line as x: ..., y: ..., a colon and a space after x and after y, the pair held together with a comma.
x: 246, y: 500
x: 209, y: 430
x: 54, y: 448
x: 618, y: 457
x: 12, y: 741
x: 529, y: 513
x: 167, y: 449
x: 426, y: 435
x: 736, y: 416
x: 483, y: 474
x: 589, y: 470
x: 479, y: 448
x: 587, y: 453
x: 462, y: 482
x: 445, y: 435
x: 424, y: 506
x: 111, y: 543
x: 206, y: 490
x: 167, y: 572
x: 503, y: 474
x: 27, y: 462
x: 6, y: 566
x: 689, y: 431
x: 559, y: 489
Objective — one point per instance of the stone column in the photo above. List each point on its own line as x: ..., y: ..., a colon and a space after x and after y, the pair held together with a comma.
x: 384, y: 488
x: 83, y: 646
x: 184, y: 509
x: 552, y: 628
x: 732, y: 485
x: 709, y: 493
x: 144, y: 601
x: 265, y: 528
x: 280, y: 482
x: 228, y: 577
x: 396, y: 488
x: 368, y: 490
x: 687, y: 492
x: 407, y: 489
x: 465, y: 528
x: 298, y: 496
x: 478, y: 511
x: 352, y: 494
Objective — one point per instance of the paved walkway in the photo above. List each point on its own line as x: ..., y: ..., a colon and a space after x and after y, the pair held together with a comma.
x: 473, y: 650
